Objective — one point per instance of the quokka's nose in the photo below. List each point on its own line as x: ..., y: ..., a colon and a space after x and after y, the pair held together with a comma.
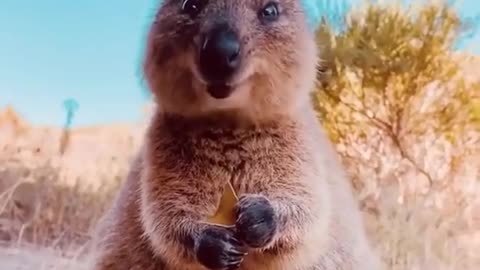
x: 219, y: 54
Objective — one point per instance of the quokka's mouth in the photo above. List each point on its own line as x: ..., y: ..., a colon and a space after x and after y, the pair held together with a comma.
x: 220, y: 90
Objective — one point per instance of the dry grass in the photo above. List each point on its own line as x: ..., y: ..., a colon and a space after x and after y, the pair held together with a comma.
x: 53, y: 201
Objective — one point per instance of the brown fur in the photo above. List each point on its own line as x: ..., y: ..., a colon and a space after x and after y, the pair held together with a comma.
x: 265, y: 136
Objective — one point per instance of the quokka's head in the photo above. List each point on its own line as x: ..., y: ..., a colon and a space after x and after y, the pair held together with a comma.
x: 254, y: 56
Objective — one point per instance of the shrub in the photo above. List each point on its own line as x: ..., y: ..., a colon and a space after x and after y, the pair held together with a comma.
x: 394, y: 97
x: 391, y: 73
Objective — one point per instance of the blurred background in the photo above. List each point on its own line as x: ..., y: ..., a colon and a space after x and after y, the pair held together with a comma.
x: 398, y: 93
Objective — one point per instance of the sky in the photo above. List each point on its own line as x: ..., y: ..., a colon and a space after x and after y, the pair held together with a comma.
x: 89, y: 50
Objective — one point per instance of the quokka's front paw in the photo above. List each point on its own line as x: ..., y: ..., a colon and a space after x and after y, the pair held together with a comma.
x: 256, y: 220
x: 218, y: 249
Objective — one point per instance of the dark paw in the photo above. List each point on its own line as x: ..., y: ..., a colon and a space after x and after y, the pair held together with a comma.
x: 218, y: 249
x: 256, y: 221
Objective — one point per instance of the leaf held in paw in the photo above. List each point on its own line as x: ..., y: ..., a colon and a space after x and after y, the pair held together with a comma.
x: 225, y: 214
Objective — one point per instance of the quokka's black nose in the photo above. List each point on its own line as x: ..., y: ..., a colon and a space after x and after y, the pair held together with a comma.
x: 219, y: 54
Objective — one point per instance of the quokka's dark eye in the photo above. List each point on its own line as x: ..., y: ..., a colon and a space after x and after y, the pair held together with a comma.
x: 269, y: 12
x: 193, y: 7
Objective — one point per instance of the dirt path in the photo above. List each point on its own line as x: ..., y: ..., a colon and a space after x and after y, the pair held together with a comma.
x: 31, y: 259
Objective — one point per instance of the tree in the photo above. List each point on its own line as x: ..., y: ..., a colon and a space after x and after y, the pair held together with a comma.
x: 71, y: 106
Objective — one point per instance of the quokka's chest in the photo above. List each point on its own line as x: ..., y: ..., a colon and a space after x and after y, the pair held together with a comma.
x: 250, y: 161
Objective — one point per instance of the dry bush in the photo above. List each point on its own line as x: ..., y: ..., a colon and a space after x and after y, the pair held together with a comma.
x: 53, y: 200
x: 394, y: 98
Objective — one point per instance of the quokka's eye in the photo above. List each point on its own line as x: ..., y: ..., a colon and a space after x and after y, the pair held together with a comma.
x: 192, y: 7
x: 269, y: 12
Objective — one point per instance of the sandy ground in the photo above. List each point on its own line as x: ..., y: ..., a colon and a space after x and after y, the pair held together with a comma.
x: 30, y: 259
